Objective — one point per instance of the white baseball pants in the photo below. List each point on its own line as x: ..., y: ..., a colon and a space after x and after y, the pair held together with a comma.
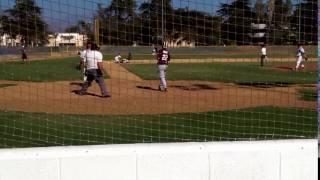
x: 299, y: 61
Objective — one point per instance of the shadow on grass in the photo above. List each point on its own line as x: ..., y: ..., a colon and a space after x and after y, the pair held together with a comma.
x: 307, y: 94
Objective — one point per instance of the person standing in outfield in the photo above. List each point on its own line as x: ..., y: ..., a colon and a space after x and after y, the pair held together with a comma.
x: 300, y: 57
x: 24, y: 54
x: 263, y: 54
x: 93, y: 60
x: 83, y: 65
x: 129, y: 57
x: 163, y: 58
x: 154, y: 51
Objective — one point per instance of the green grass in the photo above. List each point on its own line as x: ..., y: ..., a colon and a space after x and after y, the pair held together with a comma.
x: 207, y: 52
x: 6, y: 85
x: 42, y: 70
x: 21, y: 129
x: 224, y: 72
x: 308, y: 94
x: 109, y: 57
x: 191, y: 56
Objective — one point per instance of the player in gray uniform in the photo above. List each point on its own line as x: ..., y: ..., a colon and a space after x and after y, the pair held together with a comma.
x: 163, y: 58
x: 300, y: 57
x: 83, y: 55
x: 94, y: 71
x: 24, y: 54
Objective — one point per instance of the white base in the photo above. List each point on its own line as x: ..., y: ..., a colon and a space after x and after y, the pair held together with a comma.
x: 256, y: 160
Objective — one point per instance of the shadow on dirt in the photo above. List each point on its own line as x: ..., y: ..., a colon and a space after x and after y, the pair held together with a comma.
x: 86, y: 94
x: 147, y: 88
x: 264, y: 85
x: 6, y: 85
x: 196, y: 87
x: 193, y: 87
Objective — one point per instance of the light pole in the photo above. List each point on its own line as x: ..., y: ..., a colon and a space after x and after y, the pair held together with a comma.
x: 162, y: 23
x: 299, y: 35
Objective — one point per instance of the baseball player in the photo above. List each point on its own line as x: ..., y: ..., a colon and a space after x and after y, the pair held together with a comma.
x: 263, y: 54
x: 154, y: 51
x: 300, y: 57
x: 83, y: 55
x: 117, y: 58
x: 163, y: 58
x: 24, y: 54
x: 93, y: 60
x: 128, y: 59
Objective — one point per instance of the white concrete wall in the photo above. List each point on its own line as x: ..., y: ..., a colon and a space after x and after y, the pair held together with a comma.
x: 257, y: 160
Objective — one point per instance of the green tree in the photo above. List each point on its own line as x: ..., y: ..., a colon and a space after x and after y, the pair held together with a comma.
x: 279, y: 27
x: 27, y: 22
x: 81, y: 27
x: 260, y: 11
x: 5, y: 24
x: 305, y: 21
x: 151, y: 18
x: 117, y: 22
x: 236, y: 22
x: 194, y: 26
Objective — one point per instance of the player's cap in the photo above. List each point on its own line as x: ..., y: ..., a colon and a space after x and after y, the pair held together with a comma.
x: 94, y: 46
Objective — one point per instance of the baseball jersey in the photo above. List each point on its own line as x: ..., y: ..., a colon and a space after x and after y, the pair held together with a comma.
x: 163, y: 56
x: 117, y: 58
x: 92, y: 58
x: 83, y: 53
x: 264, y: 51
x: 300, y: 51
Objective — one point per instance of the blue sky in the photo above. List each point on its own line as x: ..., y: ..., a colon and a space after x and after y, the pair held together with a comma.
x: 62, y: 13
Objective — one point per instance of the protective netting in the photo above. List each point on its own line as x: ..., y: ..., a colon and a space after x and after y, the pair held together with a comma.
x: 236, y: 71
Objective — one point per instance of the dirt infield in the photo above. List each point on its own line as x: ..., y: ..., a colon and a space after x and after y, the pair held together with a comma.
x: 132, y: 95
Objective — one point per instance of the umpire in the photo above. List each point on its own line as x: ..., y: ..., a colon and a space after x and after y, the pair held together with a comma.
x: 93, y: 60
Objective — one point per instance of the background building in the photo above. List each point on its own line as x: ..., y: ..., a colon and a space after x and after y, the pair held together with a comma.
x: 66, y: 39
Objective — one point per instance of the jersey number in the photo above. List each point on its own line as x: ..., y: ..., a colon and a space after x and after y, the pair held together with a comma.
x: 164, y: 57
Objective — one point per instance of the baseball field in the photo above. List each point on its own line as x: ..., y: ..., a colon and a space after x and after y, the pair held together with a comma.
x: 206, y: 101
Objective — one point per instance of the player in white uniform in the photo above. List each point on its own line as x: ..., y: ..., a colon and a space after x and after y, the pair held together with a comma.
x: 300, y: 57
x: 117, y: 58
x: 263, y: 54
x: 94, y: 71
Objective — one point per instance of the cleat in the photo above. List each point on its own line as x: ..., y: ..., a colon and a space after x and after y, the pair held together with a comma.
x: 105, y: 96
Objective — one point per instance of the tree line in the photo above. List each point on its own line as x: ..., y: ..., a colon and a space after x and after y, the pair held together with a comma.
x: 125, y: 22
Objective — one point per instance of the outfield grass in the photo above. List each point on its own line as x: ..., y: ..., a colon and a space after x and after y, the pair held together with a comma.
x: 42, y: 70
x: 109, y: 57
x: 21, y: 129
x: 207, y: 52
x: 244, y: 72
x: 308, y: 94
